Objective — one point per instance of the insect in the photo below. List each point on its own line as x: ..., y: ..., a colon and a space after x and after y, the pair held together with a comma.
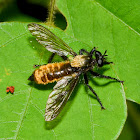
x: 65, y: 73
x: 10, y: 89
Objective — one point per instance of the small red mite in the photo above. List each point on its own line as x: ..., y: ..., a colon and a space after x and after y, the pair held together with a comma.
x: 10, y: 89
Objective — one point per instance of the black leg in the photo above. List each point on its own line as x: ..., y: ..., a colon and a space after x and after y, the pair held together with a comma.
x: 92, y: 51
x: 104, y: 76
x: 105, y: 53
x: 51, y: 58
x: 106, y: 63
x: 86, y: 82
x: 83, y: 51
x: 64, y: 57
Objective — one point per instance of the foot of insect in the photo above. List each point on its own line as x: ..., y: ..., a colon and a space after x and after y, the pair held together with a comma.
x: 86, y: 82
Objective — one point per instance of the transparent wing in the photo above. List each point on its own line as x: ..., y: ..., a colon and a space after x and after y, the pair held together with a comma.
x: 59, y: 96
x: 51, y: 42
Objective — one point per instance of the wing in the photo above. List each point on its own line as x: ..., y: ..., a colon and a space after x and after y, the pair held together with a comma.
x: 51, y: 42
x: 59, y: 96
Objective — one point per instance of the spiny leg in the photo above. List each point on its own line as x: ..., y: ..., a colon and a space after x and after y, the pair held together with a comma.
x: 86, y: 82
x: 104, y: 76
x: 89, y: 53
x: 83, y: 51
x: 92, y: 51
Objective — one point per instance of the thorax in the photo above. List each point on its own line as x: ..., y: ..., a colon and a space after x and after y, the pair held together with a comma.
x: 81, y: 61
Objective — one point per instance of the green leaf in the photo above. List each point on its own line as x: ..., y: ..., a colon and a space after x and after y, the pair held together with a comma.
x: 127, y: 10
x: 23, y: 113
x: 89, y: 24
x: 108, y: 32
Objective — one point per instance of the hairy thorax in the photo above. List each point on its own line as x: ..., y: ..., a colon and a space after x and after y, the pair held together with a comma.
x: 80, y: 61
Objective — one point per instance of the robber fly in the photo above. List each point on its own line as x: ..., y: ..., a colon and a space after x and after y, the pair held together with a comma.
x: 65, y: 73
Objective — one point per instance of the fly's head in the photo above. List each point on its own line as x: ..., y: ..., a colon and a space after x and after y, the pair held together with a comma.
x: 100, y: 59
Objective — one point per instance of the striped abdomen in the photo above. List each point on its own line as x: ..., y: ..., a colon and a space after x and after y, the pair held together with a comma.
x: 52, y: 72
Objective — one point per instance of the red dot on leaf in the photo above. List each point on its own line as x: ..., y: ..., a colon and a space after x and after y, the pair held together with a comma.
x: 10, y: 89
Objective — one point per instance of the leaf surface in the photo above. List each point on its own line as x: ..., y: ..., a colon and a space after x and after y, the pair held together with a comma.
x: 107, y: 30
x: 89, y: 24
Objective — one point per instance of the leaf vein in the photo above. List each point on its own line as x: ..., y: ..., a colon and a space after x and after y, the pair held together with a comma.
x: 22, y: 115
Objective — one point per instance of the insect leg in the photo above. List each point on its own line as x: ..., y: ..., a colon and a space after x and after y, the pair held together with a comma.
x: 106, y: 63
x: 104, y: 76
x: 83, y: 51
x: 52, y: 56
x: 92, y: 51
x: 64, y: 57
x: 50, y: 60
x: 86, y: 82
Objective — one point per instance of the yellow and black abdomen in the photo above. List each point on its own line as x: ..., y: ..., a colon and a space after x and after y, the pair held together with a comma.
x: 52, y: 72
